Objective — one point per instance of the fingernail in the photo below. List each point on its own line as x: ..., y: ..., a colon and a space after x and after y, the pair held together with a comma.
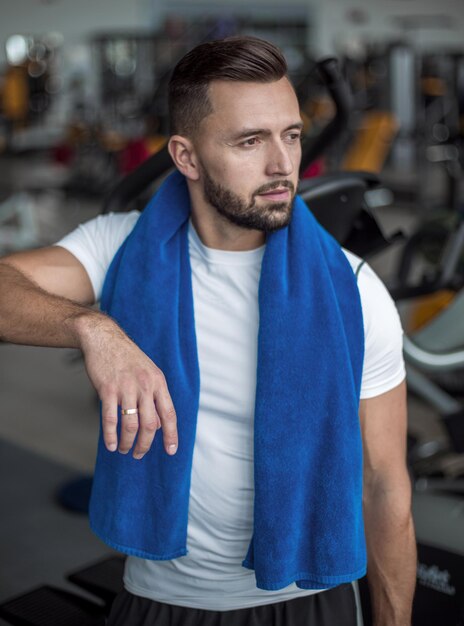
x: 172, y: 448
x: 138, y: 455
x: 112, y: 447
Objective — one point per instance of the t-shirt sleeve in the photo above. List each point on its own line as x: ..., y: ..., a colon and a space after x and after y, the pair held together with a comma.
x: 383, y: 357
x: 95, y: 243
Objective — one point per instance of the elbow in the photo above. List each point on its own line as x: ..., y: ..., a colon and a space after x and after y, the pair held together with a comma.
x: 392, y: 493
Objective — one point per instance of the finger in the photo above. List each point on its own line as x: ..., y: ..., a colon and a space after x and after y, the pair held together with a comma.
x: 148, y: 425
x: 129, y: 423
x: 110, y: 421
x: 168, y: 418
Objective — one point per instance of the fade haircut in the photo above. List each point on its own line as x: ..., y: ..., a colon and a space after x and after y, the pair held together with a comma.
x: 247, y: 59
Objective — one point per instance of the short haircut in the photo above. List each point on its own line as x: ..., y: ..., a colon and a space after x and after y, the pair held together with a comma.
x: 246, y: 59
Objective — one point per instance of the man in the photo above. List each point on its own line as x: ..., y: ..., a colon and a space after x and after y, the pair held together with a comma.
x: 246, y: 329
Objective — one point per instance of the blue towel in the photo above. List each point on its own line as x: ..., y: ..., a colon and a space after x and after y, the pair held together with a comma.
x: 308, y: 525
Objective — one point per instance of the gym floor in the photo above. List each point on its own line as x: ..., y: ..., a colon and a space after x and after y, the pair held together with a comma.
x: 49, y: 425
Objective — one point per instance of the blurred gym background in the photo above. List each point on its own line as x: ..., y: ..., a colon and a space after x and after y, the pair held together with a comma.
x: 83, y: 104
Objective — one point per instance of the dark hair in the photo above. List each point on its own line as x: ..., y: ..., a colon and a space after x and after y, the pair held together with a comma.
x: 246, y: 59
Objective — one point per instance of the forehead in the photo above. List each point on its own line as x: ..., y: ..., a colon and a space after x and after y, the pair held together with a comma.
x: 236, y: 104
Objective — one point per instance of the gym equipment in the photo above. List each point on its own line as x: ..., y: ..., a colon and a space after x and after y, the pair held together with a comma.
x: 30, y: 81
x: 435, y: 353
x: 103, y: 578
x: 52, y: 606
x: 402, y: 87
x: 369, y: 151
x: 441, y: 132
x: 439, y: 595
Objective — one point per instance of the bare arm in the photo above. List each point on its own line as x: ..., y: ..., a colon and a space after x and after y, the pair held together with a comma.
x: 44, y: 292
x: 388, y: 520
x: 45, y: 298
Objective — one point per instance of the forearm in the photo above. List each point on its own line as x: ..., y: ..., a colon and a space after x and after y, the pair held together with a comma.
x: 391, y: 551
x: 122, y: 374
x: 29, y: 315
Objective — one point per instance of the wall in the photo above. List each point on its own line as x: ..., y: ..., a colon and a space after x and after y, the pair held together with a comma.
x: 333, y: 29
x: 75, y: 19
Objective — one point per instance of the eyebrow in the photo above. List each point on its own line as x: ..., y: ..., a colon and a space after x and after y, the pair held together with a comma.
x: 246, y: 132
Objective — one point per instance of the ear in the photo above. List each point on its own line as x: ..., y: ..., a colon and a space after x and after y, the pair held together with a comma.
x: 184, y: 157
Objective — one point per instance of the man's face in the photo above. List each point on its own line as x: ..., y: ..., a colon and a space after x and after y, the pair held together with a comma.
x: 249, y: 151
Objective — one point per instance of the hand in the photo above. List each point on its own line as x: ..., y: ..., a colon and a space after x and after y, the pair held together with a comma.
x: 123, y: 375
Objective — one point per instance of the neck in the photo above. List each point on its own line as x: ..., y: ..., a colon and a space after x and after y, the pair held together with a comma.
x: 222, y: 237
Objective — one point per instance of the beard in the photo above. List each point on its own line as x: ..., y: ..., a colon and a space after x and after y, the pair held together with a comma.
x: 267, y: 217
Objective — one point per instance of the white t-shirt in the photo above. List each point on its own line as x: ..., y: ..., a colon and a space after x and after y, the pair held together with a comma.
x: 220, y: 522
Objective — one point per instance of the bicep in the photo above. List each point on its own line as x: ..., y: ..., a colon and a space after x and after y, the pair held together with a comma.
x: 383, y: 422
x: 56, y: 270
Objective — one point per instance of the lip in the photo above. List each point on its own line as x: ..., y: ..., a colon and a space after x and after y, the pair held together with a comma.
x: 276, y: 194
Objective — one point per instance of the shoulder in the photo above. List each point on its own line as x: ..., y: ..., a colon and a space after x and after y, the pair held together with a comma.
x: 111, y: 226
x: 94, y: 243
x: 356, y: 262
x: 101, y: 235
x: 372, y: 291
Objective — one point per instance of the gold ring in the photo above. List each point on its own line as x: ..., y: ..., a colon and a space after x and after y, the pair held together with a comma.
x: 129, y: 411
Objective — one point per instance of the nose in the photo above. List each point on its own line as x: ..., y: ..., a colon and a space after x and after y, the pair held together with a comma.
x: 279, y: 160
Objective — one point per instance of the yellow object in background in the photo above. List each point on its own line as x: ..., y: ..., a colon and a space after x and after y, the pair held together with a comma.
x: 372, y: 143
x: 155, y: 143
x: 15, y: 94
x: 428, y: 307
x: 433, y: 86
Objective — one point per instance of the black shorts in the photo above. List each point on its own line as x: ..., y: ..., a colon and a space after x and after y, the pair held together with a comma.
x: 334, y: 607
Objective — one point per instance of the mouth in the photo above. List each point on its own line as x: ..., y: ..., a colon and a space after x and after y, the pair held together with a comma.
x: 281, y: 194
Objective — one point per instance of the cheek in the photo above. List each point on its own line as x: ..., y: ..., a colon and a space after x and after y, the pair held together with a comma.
x: 234, y: 171
x: 295, y: 154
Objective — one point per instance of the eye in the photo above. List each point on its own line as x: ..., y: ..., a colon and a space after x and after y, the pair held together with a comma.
x: 294, y: 137
x: 250, y: 142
